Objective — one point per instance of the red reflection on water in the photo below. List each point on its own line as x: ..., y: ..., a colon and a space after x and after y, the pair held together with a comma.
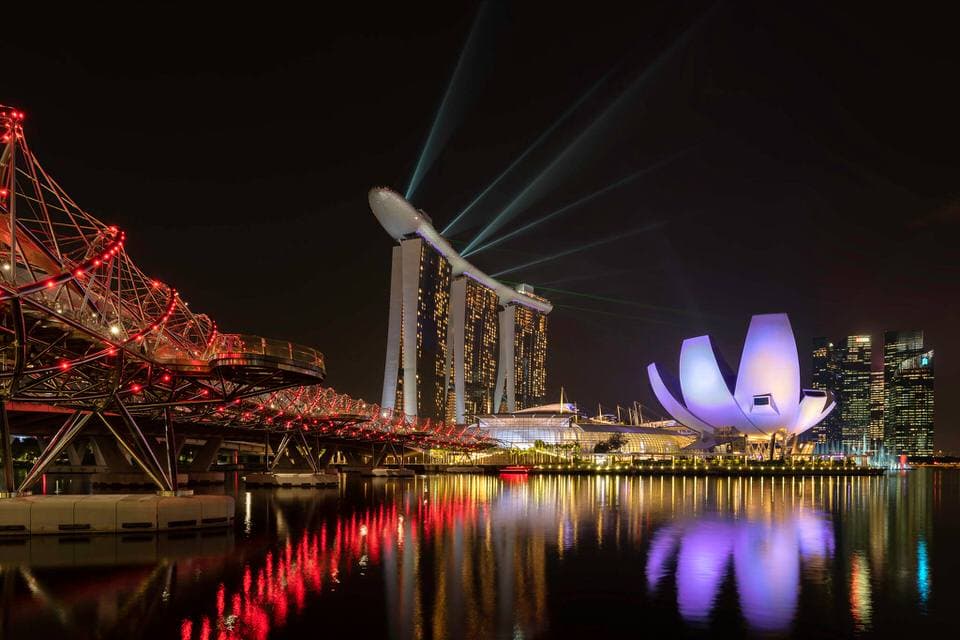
x: 269, y: 592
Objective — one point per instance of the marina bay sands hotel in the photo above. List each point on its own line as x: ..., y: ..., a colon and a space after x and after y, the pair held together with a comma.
x: 459, y: 343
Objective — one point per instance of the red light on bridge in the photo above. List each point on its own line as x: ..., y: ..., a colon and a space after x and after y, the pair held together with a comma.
x: 136, y: 388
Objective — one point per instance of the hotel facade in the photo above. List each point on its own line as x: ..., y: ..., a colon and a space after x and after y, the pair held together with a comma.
x: 459, y: 343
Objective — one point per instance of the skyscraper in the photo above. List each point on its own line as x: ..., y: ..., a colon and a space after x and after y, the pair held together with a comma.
x: 855, y: 368
x: 459, y: 342
x: 414, y: 373
x: 897, y: 347
x: 876, y: 406
x: 909, y: 393
x: 826, y: 377
x: 523, y: 374
x: 479, y: 348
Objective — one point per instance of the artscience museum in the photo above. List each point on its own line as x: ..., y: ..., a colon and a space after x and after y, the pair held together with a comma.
x: 760, y: 407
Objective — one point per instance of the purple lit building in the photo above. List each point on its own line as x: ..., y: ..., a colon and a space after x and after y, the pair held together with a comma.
x: 763, y: 402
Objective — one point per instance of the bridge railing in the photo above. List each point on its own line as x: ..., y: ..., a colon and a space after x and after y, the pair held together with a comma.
x: 238, y: 345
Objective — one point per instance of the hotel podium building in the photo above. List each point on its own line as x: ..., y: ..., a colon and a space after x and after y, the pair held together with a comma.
x: 459, y: 343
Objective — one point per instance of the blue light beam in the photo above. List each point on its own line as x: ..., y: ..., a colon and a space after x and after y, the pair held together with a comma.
x: 573, y: 205
x: 583, y: 247
x: 536, y: 143
x: 552, y: 172
x: 452, y: 101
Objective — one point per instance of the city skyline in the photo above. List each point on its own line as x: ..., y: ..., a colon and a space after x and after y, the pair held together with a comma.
x: 891, y: 406
x: 740, y: 159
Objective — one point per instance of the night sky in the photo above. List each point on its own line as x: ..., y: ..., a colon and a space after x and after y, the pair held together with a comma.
x: 805, y: 161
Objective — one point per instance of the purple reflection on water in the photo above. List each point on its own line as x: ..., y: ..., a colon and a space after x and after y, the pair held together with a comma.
x: 766, y: 555
x: 701, y: 565
x: 767, y: 562
x: 662, y: 547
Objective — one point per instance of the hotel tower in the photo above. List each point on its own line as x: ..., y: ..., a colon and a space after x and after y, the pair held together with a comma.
x: 459, y: 343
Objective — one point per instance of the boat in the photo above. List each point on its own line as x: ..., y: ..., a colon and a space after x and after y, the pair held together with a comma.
x: 516, y: 468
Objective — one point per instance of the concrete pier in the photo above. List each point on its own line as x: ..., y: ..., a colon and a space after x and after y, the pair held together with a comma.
x: 38, y: 515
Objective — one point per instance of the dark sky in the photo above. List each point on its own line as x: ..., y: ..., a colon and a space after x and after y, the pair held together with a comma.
x: 814, y: 167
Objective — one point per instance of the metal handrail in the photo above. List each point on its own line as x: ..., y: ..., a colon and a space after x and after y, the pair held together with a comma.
x: 227, y: 345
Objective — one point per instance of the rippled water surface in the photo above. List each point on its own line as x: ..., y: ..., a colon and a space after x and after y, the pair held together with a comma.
x: 515, y: 557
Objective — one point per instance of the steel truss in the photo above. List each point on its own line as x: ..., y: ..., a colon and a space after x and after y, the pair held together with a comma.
x: 82, y: 327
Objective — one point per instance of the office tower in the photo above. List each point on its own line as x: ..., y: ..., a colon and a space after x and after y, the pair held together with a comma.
x: 855, y: 368
x: 826, y: 377
x: 897, y: 347
x: 876, y: 406
x: 909, y: 394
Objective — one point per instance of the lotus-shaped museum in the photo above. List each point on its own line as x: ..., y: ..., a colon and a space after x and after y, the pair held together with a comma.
x: 764, y: 399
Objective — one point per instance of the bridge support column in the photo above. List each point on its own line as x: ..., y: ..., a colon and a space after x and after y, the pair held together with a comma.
x: 171, y: 448
x: 55, y: 447
x: 207, y: 455
x: 298, y: 451
x: 76, y: 452
x: 308, y: 453
x: 278, y: 454
x: 7, y: 448
x: 327, y: 455
x: 138, y: 448
x: 380, y: 456
x: 107, y: 453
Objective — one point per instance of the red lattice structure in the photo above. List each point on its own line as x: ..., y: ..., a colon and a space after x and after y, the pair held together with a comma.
x: 82, y: 327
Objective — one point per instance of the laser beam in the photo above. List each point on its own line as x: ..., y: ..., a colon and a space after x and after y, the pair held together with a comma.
x: 632, y: 303
x: 553, y: 171
x: 583, y: 247
x: 536, y: 143
x: 442, y: 125
x: 573, y: 205
x: 617, y: 315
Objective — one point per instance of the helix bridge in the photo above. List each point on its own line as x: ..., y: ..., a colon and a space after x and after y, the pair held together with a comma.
x: 85, y: 334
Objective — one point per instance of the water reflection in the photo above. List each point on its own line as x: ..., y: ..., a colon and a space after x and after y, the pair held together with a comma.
x: 485, y: 557
x: 766, y: 555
